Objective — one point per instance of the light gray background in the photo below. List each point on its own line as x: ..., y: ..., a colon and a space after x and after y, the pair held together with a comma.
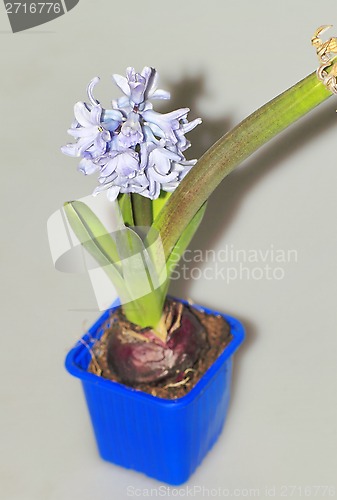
x: 223, y: 59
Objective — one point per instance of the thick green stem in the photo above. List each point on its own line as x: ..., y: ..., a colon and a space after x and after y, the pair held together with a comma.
x: 142, y: 210
x: 146, y: 311
x: 231, y: 150
x: 124, y: 201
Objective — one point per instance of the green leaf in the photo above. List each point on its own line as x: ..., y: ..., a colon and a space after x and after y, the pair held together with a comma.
x: 164, y: 268
x: 92, y: 234
x: 98, y: 242
x: 158, y: 204
x: 185, y: 239
x: 125, y: 260
x: 124, y: 201
x: 142, y: 279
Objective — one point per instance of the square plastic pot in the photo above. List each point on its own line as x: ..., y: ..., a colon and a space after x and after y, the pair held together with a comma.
x: 165, y: 439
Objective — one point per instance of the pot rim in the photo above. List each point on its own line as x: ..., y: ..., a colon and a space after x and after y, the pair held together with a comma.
x: 76, y: 354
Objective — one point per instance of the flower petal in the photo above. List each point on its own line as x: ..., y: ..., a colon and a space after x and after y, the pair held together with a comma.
x: 151, y: 76
x: 90, y: 89
x: 87, y: 167
x: 83, y: 132
x: 99, y: 146
x: 162, y: 178
x: 112, y: 114
x: 82, y: 114
x: 122, y: 83
x: 127, y: 163
x: 113, y: 192
x: 95, y: 115
x: 83, y: 144
x: 160, y: 94
x: 122, y: 102
x: 187, y: 127
x: 70, y: 150
x: 109, y: 167
x: 166, y: 122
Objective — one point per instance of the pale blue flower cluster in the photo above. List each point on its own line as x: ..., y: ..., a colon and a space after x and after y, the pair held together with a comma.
x: 134, y: 148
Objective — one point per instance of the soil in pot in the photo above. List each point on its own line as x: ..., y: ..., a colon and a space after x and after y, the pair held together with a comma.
x: 137, y: 358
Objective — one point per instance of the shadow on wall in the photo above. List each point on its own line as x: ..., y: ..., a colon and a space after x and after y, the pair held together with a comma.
x: 187, y: 93
x: 227, y: 198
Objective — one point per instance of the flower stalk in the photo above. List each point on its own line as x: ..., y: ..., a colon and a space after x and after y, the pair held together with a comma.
x: 142, y: 210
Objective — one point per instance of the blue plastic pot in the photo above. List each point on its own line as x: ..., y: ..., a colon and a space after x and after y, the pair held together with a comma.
x: 165, y: 439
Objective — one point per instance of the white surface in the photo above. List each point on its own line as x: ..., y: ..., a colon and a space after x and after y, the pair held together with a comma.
x: 223, y: 59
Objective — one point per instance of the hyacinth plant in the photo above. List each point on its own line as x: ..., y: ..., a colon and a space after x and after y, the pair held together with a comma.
x: 159, y: 195
x: 138, y: 154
